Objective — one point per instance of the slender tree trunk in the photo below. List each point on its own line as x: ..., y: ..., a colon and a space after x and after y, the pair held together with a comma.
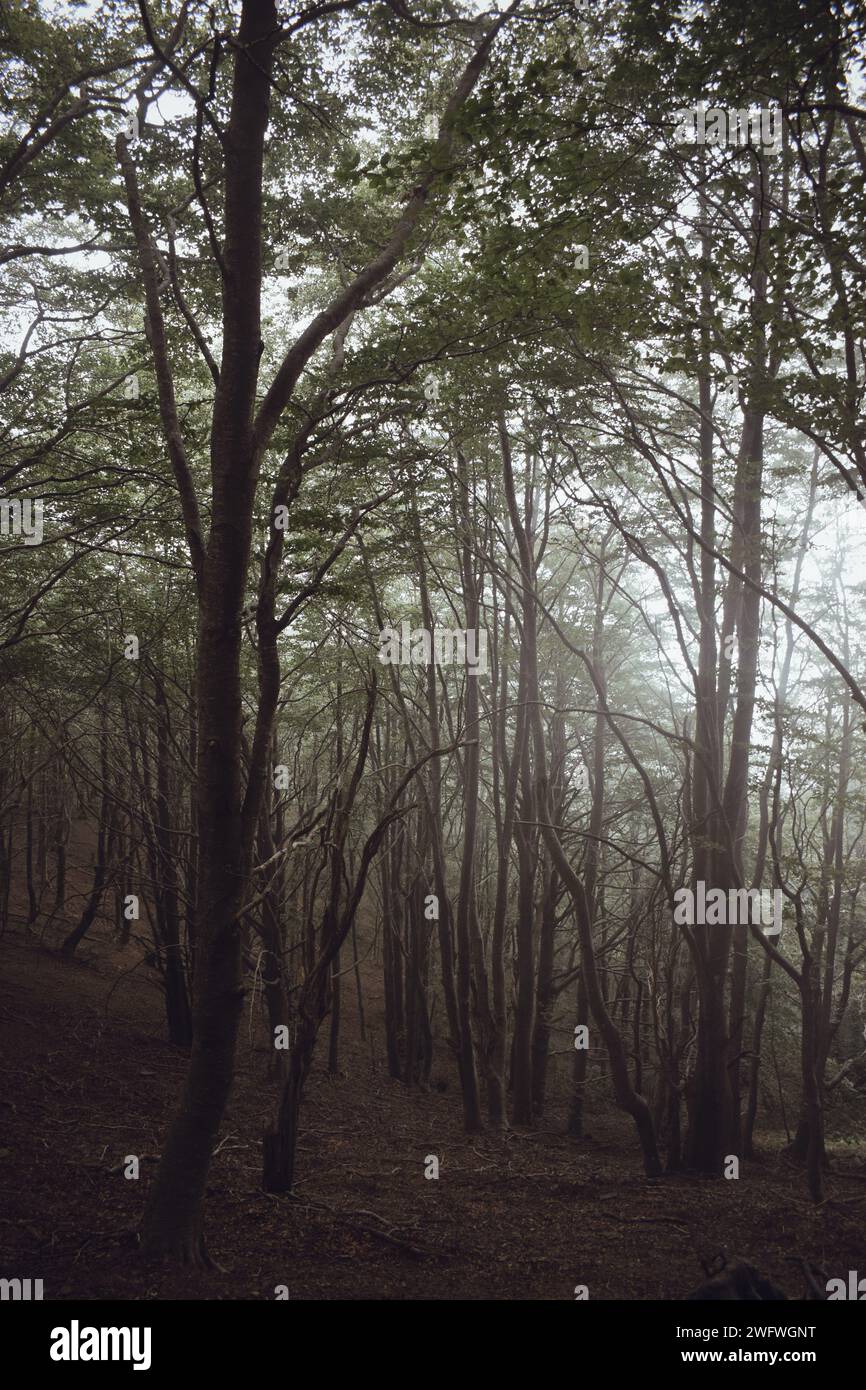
x: 755, y: 1059
x: 178, y: 1013
x: 626, y: 1096
x: 581, y: 1065
x: 91, y: 907
x: 545, y: 997
x: 32, y: 898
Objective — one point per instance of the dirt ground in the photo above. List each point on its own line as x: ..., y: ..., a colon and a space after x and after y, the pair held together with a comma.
x: 88, y: 1078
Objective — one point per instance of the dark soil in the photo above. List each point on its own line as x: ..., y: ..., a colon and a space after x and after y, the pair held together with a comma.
x: 87, y: 1078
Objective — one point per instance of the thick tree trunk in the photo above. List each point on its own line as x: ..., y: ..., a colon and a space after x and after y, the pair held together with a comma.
x: 279, y: 1145
x: 173, y: 1217
x: 172, y: 1220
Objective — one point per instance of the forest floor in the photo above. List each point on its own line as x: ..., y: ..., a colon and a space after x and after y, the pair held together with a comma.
x: 88, y: 1078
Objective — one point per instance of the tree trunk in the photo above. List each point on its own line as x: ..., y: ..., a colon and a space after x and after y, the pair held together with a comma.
x: 173, y: 1217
